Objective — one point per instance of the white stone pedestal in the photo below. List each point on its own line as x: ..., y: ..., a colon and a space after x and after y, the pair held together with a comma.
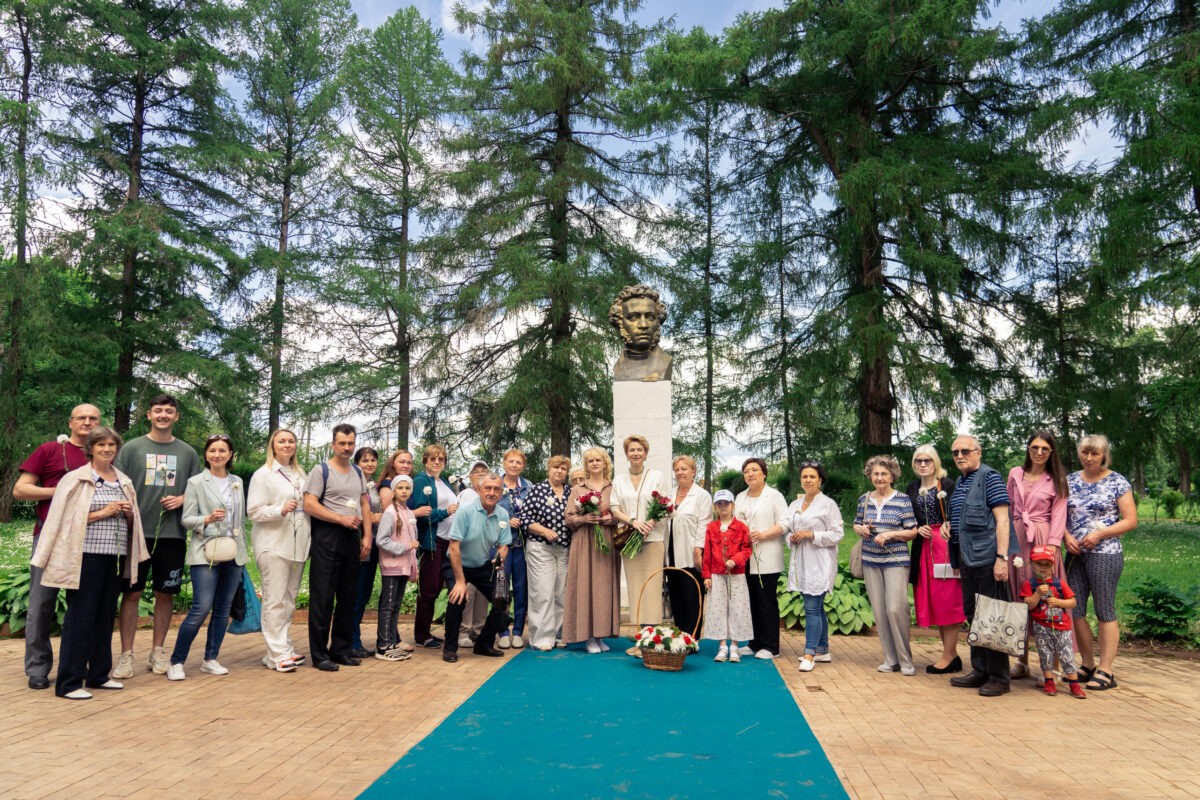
x: 642, y: 408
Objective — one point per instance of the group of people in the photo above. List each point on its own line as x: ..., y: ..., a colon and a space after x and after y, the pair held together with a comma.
x: 1043, y: 537
x: 112, y: 516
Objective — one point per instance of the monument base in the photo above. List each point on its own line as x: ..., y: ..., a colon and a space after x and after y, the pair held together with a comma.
x: 643, y: 408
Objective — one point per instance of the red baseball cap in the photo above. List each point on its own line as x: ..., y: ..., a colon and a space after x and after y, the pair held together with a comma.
x: 1042, y: 553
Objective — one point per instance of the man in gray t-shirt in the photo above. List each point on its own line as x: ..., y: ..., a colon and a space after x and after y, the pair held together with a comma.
x: 336, y: 500
x: 159, y: 466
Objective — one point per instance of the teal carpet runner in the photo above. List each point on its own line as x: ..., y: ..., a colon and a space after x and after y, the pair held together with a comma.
x: 570, y: 724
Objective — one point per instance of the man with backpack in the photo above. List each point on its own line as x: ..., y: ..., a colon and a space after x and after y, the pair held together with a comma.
x: 336, y: 499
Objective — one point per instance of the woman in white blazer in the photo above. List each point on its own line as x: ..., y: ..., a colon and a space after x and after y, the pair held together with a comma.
x: 631, y: 499
x: 281, y: 536
x: 685, y: 542
x: 814, y: 530
x: 213, y: 512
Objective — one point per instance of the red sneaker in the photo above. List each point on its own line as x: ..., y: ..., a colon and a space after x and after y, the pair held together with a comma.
x: 1049, y: 688
x: 1077, y: 690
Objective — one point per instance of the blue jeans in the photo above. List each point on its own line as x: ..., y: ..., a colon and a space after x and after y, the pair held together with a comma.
x: 364, y: 586
x: 816, y: 625
x: 212, y: 590
x: 514, y: 564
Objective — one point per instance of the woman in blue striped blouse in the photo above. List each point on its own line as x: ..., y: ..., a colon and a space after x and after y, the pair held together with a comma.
x: 886, y: 523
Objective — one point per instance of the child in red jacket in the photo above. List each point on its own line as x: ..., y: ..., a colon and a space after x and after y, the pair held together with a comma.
x: 726, y: 551
x: 1048, y: 604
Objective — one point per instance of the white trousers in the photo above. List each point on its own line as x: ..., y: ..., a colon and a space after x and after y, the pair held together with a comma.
x: 546, y: 568
x: 280, y: 584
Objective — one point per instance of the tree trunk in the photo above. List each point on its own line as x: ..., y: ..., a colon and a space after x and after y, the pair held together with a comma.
x: 14, y: 356
x: 403, y: 340
x: 126, y: 336
x: 558, y: 391
x: 877, y: 403
x: 708, y: 292
x: 1185, y: 471
x: 277, y: 305
x: 785, y: 332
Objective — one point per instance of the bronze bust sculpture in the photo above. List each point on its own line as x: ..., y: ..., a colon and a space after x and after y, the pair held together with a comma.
x: 638, y: 315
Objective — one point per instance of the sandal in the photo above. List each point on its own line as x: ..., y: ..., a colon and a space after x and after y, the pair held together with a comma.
x: 1086, y: 673
x: 1101, y: 681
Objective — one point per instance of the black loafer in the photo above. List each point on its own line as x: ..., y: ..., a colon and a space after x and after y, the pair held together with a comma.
x: 450, y: 658
x: 38, y: 682
x: 346, y: 661
x: 361, y: 652
x: 953, y: 666
x: 326, y: 666
x: 994, y: 688
x: 488, y: 651
x: 432, y: 641
x: 972, y: 680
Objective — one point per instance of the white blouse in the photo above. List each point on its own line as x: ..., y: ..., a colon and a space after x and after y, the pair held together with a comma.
x: 634, y: 502
x: 763, y: 513
x: 688, y: 523
x: 283, y: 535
x: 813, y: 565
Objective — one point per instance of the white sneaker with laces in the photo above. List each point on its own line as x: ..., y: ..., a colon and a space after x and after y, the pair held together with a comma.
x: 124, y: 668
x: 175, y: 672
x: 722, y: 654
x: 823, y: 658
x: 159, y: 661
x: 735, y: 656
x: 505, y: 642
x: 593, y: 646
x: 764, y: 654
x: 213, y: 667
x: 908, y: 672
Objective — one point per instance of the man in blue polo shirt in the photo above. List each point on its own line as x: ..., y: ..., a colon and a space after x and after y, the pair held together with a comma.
x: 479, y: 539
x: 979, y: 528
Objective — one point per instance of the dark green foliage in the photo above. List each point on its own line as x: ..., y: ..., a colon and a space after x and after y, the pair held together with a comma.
x: 846, y: 607
x: 14, y: 600
x: 1162, y: 612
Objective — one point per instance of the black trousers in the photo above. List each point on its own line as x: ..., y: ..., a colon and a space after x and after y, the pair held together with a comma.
x: 484, y: 579
x: 764, y: 611
x: 980, y: 580
x: 685, y: 598
x: 85, y: 653
x: 332, y: 582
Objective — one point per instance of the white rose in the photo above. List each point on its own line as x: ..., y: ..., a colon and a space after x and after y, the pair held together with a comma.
x: 428, y: 491
x: 62, y: 438
x: 1018, y: 562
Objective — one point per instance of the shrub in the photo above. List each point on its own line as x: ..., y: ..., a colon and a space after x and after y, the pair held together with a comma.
x: 847, y: 606
x: 1171, y: 500
x: 1162, y: 612
x: 14, y: 600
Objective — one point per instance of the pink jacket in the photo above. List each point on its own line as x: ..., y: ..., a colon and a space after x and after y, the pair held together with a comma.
x: 1036, y: 505
x: 397, y: 543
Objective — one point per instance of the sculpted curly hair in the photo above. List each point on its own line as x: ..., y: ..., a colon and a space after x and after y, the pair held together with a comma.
x: 616, y: 312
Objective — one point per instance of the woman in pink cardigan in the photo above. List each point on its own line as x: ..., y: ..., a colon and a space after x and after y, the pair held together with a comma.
x: 1037, y: 491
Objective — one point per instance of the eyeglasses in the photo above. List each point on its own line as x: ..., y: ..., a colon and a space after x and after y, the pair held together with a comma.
x: 966, y: 451
x: 436, y: 458
x: 1037, y: 448
x: 923, y: 461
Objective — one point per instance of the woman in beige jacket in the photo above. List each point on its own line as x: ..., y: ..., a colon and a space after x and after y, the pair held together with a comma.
x: 91, y: 542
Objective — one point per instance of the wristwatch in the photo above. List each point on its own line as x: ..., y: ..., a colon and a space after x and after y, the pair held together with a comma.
x: 1001, y: 555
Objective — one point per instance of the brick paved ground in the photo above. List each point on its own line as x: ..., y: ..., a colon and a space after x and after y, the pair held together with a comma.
x: 256, y: 733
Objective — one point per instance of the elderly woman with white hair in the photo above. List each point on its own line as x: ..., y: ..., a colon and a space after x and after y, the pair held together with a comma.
x: 886, y: 523
x: 937, y: 591
x: 1100, y: 509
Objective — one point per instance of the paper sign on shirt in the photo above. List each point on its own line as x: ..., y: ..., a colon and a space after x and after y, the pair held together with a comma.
x: 160, y: 469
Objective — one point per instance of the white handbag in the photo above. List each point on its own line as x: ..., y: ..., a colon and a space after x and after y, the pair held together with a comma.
x: 219, y: 549
x: 999, y: 625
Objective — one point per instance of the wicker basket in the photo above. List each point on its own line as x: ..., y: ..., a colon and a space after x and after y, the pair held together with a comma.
x: 653, y: 659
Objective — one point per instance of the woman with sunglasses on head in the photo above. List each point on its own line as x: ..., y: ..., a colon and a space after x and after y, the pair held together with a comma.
x: 281, y: 536
x: 90, y: 545
x: 213, y: 511
x: 937, y: 593
x: 1037, y: 493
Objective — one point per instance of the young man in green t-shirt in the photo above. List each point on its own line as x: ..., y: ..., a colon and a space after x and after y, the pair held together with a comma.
x: 159, y: 466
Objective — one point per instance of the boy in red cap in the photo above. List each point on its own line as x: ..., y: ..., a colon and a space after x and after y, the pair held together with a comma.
x: 1051, y: 626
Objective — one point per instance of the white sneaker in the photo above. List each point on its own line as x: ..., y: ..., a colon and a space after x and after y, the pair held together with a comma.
x: 887, y: 668
x: 465, y: 641
x: 124, y: 668
x: 593, y: 646
x: 746, y: 650
x: 823, y: 658
x: 517, y: 642
x: 559, y: 643
x: 159, y: 661
x: 722, y: 654
x: 78, y: 694
x: 735, y: 656
x: 175, y: 672
x: 908, y: 672
x: 111, y: 685
x: 604, y: 648
x: 806, y: 665
x: 764, y: 654
x: 505, y: 642
x: 213, y: 667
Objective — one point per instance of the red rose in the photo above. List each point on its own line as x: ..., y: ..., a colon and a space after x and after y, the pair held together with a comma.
x: 657, y: 639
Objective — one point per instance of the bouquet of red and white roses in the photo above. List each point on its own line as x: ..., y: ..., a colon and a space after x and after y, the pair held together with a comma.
x: 589, y: 503
x: 660, y: 507
x: 665, y: 639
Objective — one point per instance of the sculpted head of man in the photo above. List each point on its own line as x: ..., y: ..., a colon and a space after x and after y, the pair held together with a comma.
x: 638, y: 315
